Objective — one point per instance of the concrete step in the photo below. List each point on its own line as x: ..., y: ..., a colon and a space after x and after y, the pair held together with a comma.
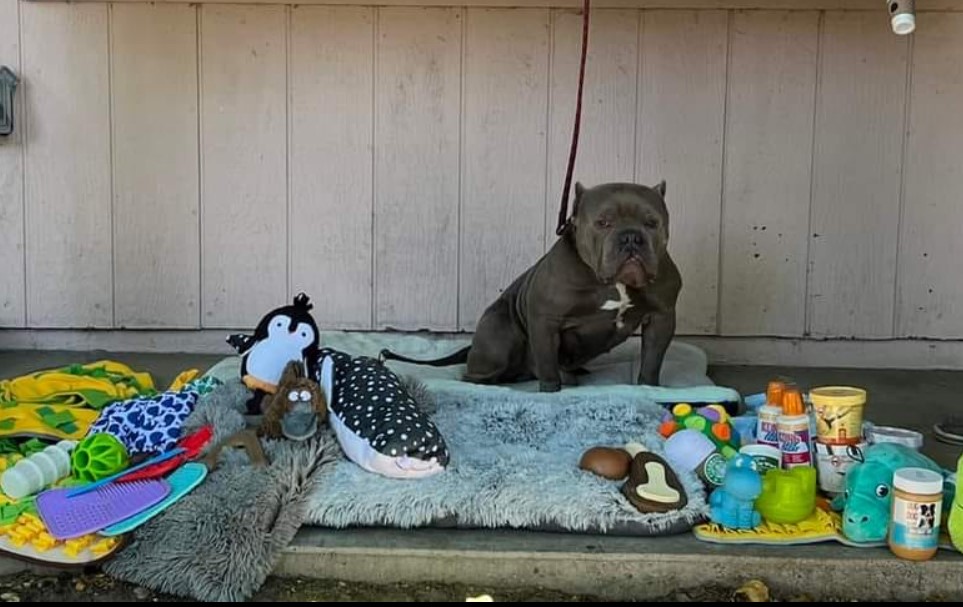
x: 618, y: 568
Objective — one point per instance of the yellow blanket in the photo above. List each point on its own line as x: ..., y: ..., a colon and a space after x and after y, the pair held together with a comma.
x: 63, y: 403
x: 95, y: 385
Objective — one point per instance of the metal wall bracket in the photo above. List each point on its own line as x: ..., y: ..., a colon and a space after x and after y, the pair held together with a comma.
x: 8, y: 86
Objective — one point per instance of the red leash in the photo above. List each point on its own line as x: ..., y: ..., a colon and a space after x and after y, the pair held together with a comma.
x: 563, y: 219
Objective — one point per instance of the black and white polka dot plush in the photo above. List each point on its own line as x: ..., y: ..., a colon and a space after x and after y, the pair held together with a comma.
x: 378, y: 423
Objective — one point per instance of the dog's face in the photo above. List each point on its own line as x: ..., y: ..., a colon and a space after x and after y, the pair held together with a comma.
x: 621, y: 231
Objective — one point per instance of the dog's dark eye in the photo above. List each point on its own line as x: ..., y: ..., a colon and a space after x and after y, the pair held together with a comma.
x: 882, y: 491
x: 652, y: 223
x: 603, y: 224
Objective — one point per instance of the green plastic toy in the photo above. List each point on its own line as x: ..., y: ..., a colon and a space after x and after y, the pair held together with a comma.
x: 98, y: 456
x: 955, y: 522
x: 788, y: 496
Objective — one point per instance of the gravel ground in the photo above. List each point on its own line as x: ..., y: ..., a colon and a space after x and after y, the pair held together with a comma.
x: 71, y: 587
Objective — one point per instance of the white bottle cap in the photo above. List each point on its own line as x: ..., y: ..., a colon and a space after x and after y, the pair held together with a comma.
x: 918, y: 480
x: 904, y: 23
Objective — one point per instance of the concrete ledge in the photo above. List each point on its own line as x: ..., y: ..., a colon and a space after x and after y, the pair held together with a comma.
x: 614, y: 568
x: 786, y: 351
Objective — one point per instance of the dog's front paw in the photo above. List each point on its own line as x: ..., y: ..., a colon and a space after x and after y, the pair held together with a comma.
x: 549, y: 386
x: 569, y: 379
x: 648, y: 380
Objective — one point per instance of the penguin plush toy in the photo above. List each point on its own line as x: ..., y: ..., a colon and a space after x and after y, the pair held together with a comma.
x: 284, y: 334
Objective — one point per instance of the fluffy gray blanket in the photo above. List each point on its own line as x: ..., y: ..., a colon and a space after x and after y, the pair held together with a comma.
x: 220, y: 542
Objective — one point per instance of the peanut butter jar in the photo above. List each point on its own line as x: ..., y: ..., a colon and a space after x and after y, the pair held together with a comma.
x: 914, y: 528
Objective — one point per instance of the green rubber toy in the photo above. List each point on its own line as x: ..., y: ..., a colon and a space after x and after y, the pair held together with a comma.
x: 98, y: 456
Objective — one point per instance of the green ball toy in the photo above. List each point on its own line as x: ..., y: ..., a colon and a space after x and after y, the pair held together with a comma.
x: 98, y: 456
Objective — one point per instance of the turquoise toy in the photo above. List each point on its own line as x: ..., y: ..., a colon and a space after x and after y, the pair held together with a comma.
x: 182, y: 481
x: 731, y: 505
x: 788, y: 496
x: 869, y: 487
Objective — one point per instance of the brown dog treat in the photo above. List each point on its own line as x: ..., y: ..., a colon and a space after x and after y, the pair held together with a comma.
x: 653, y: 486
x: 607, y: 462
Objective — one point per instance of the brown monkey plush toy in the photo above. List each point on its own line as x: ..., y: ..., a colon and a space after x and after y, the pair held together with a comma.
x: 298, y: 407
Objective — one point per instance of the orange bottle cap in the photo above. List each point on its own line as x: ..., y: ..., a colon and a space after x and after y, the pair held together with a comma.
x: 792, y: 402
x: 774, y: 392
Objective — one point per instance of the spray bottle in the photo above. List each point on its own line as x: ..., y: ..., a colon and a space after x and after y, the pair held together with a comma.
x: 767, y: 431
x: 794, y: 431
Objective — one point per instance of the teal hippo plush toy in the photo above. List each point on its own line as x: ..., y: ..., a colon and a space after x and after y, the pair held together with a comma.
x: 869, y: 490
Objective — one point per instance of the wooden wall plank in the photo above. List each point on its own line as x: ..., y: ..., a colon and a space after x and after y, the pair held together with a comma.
x: 772, y: 80
x: 681, y: 120
x: 67, y: 173
x: 12, y: 310
x: 860, y: 5
x: 856, y: 177
x: 156, y: 181
x: 931, y: 247
x: 331, y: 98
x: 607, y: 140
x: 417, y: 93
x: 243, y: 163
x: 505, y: 122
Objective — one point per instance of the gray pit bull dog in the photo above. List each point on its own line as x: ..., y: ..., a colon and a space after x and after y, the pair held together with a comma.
x: 606, y: 276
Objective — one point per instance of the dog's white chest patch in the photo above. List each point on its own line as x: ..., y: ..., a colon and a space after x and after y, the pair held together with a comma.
x: 622, y: 304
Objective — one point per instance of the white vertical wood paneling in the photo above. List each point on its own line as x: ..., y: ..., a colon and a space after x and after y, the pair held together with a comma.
x: 402, y: 165
x: 856, y: 180
x: 332, y: 79
x: 67, y: 176
x: 768, y: 157
x: 243, y: 163
x: 505, y: 121
x: 12, y: 311
x: 931, y: 239
x: 417, y: 97
x: 155, y: 170
x: 681, y: 116
x: 607, y: 139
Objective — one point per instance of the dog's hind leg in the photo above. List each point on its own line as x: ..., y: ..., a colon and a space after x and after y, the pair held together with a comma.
x: 497, y: 353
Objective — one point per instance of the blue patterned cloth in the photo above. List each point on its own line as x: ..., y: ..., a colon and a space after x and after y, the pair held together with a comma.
x: 151, y: 424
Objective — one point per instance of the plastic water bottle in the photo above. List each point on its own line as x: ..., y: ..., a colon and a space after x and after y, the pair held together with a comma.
x: 39, y: 471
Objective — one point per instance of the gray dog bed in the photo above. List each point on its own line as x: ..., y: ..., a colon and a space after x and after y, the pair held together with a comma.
x: 514, y: 451
x: 514, y: 465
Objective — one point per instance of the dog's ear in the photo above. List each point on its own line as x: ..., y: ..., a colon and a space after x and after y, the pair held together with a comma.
x: 579, y: 190
x: 660, y: 188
